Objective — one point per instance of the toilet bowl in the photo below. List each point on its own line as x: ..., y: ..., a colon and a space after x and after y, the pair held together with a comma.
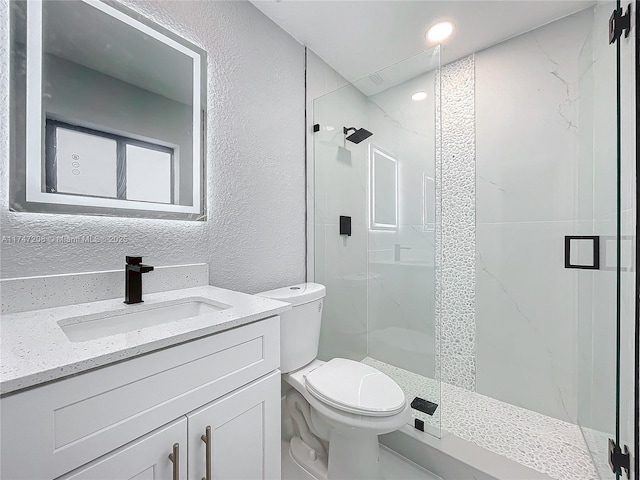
x: 338, y: 407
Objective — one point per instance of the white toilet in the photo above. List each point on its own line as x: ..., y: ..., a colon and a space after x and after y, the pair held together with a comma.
x: 338, y: 407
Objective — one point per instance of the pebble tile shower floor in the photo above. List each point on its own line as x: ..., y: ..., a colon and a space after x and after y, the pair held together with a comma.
x: 546, y: 444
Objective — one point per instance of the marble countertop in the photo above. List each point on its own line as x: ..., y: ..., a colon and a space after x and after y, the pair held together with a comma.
x: 34, y: 349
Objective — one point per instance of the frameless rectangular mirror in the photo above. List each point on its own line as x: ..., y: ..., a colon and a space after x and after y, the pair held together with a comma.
x: 107, y: 113
x: 428, y: 203
x: 384, y: 189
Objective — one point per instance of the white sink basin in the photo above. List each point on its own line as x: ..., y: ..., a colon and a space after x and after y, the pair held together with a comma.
x: 136, y: 317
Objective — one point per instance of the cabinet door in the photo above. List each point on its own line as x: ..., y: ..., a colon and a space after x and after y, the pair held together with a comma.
x: 143, y: 459
x: 244, y: 434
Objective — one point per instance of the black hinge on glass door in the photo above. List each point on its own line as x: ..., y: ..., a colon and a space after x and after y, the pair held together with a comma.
x: 619, y: 23
x: 619, y: 460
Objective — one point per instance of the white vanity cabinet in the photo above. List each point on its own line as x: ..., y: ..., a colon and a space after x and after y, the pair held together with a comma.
x: 234, y: 438
x: 121, y: 421
x: 144, y: 459
x: 243, y: 433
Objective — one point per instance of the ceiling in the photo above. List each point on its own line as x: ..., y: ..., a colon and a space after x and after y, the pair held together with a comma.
x: 81, y: 33
x: 358, y: 38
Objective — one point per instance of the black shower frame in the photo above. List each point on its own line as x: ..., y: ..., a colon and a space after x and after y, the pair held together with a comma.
x: 636, y: 455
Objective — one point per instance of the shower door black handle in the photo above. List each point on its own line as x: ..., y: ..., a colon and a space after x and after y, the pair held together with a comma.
x: 595, y: 263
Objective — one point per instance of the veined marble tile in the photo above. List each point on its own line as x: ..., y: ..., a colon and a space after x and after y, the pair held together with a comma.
x: 525, y: 317
x: 319, y: 253
x: 341, y: 167
x: 527, y: 123
x: 406, y: 128
x: 344, y: 319
x: 596, y: 340
x: 401, y: 327
x: 603, y: 102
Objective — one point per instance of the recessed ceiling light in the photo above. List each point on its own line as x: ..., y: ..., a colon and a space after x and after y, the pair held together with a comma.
x: 439, y: 32
x: 418, y: 96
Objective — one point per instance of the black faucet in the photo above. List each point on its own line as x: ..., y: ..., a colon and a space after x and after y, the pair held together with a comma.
x: 133, y: 271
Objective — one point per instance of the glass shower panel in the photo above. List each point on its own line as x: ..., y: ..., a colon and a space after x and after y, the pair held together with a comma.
x: 401, y: 253
x: 597, y: 216
x: 380, y: 304
x: 340, y: 189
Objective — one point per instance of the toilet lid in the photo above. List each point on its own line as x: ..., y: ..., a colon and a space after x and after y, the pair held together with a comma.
x: 356, y: 388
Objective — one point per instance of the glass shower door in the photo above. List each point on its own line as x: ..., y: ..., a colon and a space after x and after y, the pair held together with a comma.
x: 598, y: 218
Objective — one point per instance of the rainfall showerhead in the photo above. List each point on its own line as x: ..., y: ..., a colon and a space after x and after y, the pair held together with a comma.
x: 358, y: 135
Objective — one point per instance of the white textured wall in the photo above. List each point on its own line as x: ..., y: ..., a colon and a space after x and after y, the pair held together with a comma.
x: 254, y: 238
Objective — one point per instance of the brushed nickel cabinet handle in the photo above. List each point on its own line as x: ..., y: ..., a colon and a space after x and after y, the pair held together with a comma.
x: 206, y: 438
x: 175, y: 458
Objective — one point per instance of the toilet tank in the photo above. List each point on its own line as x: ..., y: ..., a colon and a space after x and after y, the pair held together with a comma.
x: 300, y: 326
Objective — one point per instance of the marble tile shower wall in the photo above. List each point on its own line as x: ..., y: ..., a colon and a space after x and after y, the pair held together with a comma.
x: 596, y: 203
x: 401, y: 327
x: 527, y: 158
x: 374, y: 304
x: 341, y: 189
x: 508, y: 197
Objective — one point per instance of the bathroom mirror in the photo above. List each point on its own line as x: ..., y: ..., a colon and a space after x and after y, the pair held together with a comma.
x: 107, y: 113
x: 428, y: 203
x: 384, y: 189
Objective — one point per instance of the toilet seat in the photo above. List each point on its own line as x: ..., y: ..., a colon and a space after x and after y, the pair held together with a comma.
x: 356, y: 388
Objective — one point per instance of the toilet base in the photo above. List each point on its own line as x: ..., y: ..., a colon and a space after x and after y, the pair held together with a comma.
x: 353, y: 452
x: 354, y: 456
x: 308, y: 459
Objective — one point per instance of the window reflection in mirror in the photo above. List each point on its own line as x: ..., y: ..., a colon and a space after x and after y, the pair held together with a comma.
x: 117, y: 126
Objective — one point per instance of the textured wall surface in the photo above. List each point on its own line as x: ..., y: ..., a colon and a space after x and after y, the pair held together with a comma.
x: 456, y: 335
x: 49, y: 291
x: 254, y: 237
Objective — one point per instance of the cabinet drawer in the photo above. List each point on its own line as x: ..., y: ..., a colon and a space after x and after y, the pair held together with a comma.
x: 68, y: 423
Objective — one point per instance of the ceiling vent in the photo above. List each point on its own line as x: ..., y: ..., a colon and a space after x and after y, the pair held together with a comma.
x: 376, y: 79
